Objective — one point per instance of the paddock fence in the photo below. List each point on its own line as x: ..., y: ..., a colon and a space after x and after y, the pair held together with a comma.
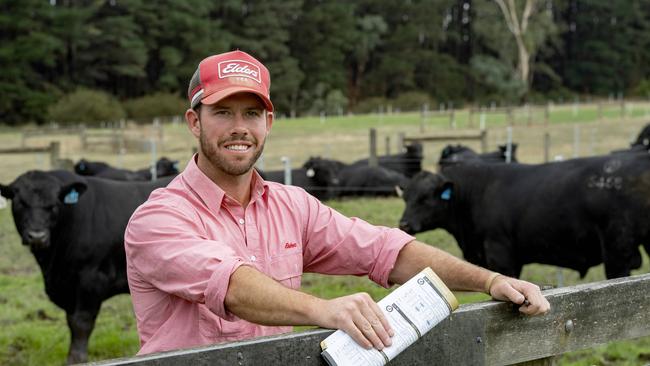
x: 480, y: 135
x: 53, y: 150
x: 485, y: 333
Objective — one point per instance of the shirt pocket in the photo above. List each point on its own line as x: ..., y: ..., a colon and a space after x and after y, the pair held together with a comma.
x: 287, y: 269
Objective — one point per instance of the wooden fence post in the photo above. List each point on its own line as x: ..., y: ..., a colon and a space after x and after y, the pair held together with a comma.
x: 470, y: 119
x: 547, y: 146
x: 55, y: 151
x: 387, y: 145
x: 600, y: 111
x: 547, y: 113
x: 372, y: 161
x: 483, y: 141
x: 400, y: 142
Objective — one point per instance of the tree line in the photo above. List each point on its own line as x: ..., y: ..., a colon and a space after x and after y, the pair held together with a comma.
x: 329, y: 56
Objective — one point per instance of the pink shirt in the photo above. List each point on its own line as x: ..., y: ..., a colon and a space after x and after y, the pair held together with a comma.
x: 183, y: 244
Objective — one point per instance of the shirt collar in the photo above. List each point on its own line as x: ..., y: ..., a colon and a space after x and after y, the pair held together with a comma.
x: 211, y: 194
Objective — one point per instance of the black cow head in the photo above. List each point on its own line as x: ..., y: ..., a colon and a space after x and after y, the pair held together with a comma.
x: 427, y: 198
x: 503, y: 150
x: 456, y: 154
x: 37, y: 199
x: 85, y: 167
x: 166, y: 167
x: 323, y: 172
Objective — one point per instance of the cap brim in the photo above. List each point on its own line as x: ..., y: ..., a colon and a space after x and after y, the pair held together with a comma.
x: 215, y: 97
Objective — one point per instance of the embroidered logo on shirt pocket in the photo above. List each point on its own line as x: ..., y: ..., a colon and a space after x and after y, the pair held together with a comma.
x: 287, y: 269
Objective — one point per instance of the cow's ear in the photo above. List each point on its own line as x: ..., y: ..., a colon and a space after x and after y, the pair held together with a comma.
x: 70, y: 193
x: 6, y: 191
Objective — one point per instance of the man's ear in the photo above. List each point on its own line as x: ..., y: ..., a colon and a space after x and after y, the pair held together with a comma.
x: 269, y: 122
x: 70, y: 193
x: 193, y: 122
x: 6, y: 191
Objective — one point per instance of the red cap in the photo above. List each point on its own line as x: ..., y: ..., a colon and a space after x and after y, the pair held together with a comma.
x: 228, y: 73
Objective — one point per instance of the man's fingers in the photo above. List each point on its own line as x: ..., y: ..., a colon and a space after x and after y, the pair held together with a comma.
x: 369, y: 333
x: 355, y: 332
x: 383, y: 322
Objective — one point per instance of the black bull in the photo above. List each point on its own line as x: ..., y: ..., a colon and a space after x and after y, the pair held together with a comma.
x: 75, y: 229
x: 573, y: 214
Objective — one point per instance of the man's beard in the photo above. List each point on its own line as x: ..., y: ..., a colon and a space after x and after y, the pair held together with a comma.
x: 210, y: 151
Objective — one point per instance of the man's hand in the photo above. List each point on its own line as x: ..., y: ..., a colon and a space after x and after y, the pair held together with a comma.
x: 520, y: 292
x: 360, y: 317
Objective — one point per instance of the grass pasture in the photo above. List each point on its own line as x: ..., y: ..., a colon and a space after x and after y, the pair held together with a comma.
x: 34, y: 331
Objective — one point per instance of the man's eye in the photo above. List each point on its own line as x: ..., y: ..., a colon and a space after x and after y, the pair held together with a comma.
x: 254, y: 113
x: 222, y: 112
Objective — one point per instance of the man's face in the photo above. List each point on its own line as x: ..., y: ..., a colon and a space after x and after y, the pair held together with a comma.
x: 232, y: 132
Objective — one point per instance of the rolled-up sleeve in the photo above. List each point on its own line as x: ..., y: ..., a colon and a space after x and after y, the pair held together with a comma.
x: 336, y: 244
x: 170, y: 250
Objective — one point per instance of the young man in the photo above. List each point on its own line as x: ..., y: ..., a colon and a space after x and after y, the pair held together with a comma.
x: 218, y: 254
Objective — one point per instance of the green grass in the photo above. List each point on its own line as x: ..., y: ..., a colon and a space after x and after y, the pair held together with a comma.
x: 34, y: 331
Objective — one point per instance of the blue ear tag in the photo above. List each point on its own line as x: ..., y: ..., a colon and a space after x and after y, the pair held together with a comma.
x: 446, y: 194
x: 71, y: 198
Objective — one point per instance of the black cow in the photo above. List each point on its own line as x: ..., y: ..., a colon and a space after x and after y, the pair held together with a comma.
x: 407, y: 163
x: 302, y: 177
x: 644, y: 138
x: 74, y: 227
x: 89, y: 168
x: 164, y: 168
x: 355, y: 179
x: 575, y: 214
x: 458, y: 154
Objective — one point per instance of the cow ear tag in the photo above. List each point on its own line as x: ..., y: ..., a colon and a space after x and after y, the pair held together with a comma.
x: 446, y: 194
x: 71, y: 198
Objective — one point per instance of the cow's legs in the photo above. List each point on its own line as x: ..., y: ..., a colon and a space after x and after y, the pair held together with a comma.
x: 500, y: 256
x: 620, y: 250
x: 81, y: 323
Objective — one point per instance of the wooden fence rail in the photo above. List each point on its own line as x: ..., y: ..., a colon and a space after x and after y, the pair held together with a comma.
x: 480, y: 135
x: 53, y: 149
x: 486, y: 333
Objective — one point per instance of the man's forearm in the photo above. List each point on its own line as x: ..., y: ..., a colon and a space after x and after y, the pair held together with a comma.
x: 260, y: 299
x: 456, y: 273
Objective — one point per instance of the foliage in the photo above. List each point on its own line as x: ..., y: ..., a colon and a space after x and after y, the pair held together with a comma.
x: 156, y: 105
x: 85, y: 105
x: 371, y: 105
x: 323, y: 55
x: 642, y: 89
x: 412, y: 101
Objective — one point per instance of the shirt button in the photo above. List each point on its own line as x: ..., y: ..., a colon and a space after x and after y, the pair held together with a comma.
x: 253, y: 258
x: 241, y: 221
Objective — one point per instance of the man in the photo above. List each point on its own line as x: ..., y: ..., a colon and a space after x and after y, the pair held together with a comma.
x: 218, y: 254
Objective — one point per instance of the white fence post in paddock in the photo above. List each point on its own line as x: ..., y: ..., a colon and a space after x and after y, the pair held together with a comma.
x: 154, y: 171
x: 509, y: 145
x: 286, y: 162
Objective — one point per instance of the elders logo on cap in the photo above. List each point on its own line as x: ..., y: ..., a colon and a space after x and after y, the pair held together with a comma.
x: 241, y: 68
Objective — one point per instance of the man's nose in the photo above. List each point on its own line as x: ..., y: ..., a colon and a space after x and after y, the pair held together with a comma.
x: 239, y: 126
